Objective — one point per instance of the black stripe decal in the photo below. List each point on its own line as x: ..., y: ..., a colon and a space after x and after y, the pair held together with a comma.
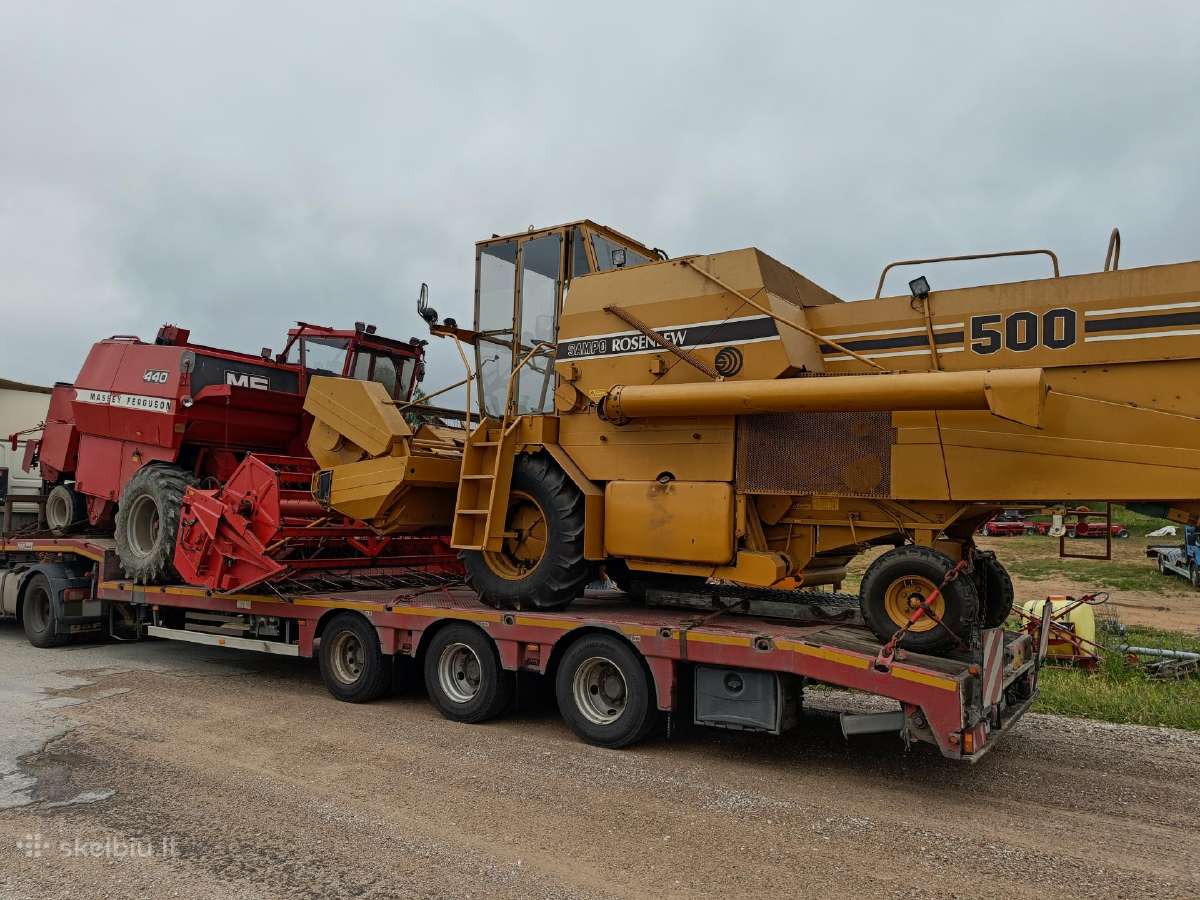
x: 907, y: 340
x: 680, y: 335
x: 1132, y: 322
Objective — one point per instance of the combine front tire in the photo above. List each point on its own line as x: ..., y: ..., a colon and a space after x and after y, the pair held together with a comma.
x: 148, y: 520
x: 541, y: 564
x: 896, y: 584
x: 66, y: 510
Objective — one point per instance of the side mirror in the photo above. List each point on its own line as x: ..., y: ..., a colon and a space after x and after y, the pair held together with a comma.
x: 424, y: 310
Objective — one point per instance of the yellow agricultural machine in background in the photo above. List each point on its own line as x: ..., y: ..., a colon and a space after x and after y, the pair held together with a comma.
x: 723, y: 418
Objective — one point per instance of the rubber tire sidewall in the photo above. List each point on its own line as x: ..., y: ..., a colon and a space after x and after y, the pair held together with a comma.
x: 167, y: 484
x: 50, y: 637
x: 376, y: 677
x: 998, y: 594
x: 497, y: 685
x: 77, y: 507
x: 961, y: 598
x: 552, y: 584
x: 641, y: 714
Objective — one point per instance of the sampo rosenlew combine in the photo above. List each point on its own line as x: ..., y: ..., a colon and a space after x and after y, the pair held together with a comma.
x: 722, y: 419
x: 144, y: 421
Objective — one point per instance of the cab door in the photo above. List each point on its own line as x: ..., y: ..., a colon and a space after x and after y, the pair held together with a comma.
x: 518, y: 297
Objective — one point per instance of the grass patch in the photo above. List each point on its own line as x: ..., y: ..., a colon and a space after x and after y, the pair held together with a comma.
x: 1123, y: 693
x: 1110, y: 574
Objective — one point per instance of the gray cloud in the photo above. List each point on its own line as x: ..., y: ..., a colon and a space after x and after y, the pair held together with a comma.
x: 235, y: 166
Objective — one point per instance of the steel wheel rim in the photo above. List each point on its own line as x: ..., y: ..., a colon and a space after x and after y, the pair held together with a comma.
x: 460, y: 672
x: 143, y: 525
x: 600, y: 691
x: 525, y: 547
x: 905, y: 594
x: 348, y: 657
x: 58, y: 510
x: 40, y: 610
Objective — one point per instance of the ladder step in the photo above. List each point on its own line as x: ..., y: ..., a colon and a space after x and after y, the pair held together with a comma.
x: 472, y: 512
x: 477, y: 477
x: 484, y: 444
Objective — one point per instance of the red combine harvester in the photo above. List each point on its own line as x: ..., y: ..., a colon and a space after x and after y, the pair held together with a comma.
x: 143, y: 422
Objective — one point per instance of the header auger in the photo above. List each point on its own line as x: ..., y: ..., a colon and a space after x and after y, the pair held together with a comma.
x: 722, y: 417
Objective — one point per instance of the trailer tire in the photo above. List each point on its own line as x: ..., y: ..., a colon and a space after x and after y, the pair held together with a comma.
x: 148, y: 521
x: 66, y: 510
x: 464, y: 677
x: 353, y: 667
x: 37, y: 614
x: 897, y: 579
x: 995, y: 588
x: 543, y: 567
x: 605, y: 692
x: 1194, y: 576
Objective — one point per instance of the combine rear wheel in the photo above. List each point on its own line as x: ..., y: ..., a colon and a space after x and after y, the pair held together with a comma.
x: 66, y: 510
x: 995, y: 588
x: 897, y: 583
x: 147, y: 522
x: 541, y: 564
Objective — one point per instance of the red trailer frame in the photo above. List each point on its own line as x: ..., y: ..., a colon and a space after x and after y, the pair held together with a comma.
x: 962, y: 706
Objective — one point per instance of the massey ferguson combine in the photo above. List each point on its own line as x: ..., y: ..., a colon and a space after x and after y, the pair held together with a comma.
x: 143, y: 422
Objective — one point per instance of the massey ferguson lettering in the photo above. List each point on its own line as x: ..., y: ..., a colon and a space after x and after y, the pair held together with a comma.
x: 124, y: 401
x: 245, y: 379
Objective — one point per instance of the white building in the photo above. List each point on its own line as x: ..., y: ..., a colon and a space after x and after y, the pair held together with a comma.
x: 21, y: 406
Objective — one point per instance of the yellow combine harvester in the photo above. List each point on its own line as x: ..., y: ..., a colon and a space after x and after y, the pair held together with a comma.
x: 724, y: 417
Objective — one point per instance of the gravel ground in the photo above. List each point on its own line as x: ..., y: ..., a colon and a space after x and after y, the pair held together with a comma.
x: 229, y: 774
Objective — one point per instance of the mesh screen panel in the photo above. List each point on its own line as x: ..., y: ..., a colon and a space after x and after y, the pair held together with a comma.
x: 844, y: 453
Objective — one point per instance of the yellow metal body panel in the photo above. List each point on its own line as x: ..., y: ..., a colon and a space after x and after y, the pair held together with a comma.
x: 683, y: 521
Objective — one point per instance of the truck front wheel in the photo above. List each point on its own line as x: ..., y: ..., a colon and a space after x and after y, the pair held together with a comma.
x: 148, y: 520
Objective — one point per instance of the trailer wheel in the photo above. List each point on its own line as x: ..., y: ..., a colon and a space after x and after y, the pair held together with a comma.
x: 37, y: 614
x: 463, y: 675
x: 995, y: 587
x: 899, y: 580
x: 148, y: 520
x: 541, y: 565
x: 605, y: 693
x: 1194, y: 576
x: 353, y: 666
x: 66, y: 510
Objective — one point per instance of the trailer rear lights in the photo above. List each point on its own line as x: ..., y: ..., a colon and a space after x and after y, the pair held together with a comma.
x: 968, y: 742
x: 75, y: 594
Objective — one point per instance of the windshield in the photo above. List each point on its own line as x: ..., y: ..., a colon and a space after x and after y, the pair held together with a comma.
x: 325, y: 355
x: 394, y: 373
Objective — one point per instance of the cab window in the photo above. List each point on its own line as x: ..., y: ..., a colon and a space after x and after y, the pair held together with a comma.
x: 609, y: 253
x: 325, y: 355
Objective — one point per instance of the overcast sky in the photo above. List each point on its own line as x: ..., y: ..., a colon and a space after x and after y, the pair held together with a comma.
x: 235, y: 166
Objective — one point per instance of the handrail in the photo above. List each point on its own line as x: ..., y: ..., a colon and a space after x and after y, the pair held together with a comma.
x: 512, y: 378
x: 1113, y: 255
x: 966, y: 256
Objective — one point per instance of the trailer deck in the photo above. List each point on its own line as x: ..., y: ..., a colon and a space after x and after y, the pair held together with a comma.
x: 961, y: 704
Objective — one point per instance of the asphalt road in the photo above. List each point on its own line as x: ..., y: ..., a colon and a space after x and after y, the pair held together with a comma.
x: 162, y: 770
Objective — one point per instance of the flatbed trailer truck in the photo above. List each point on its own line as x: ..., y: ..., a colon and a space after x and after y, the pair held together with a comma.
x: 618, y: 667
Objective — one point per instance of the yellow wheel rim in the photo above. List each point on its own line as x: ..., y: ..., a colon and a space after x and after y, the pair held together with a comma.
x: 905, y: 594
x: 525, y: 541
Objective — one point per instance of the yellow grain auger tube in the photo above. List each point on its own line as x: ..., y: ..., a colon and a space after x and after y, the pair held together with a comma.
x: 723, y: 417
